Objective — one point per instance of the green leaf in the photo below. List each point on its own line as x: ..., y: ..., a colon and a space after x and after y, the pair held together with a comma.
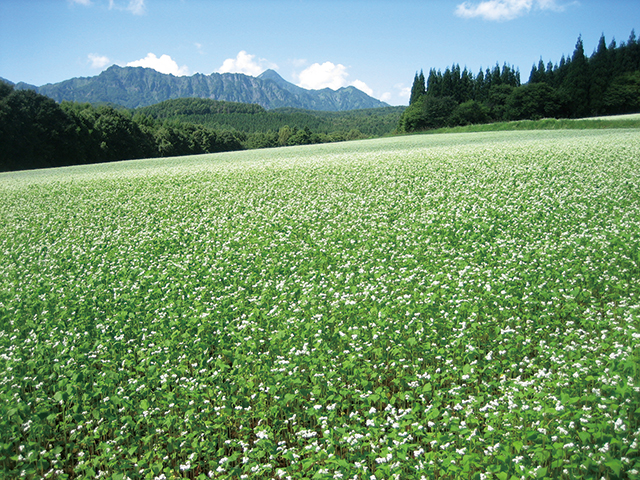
x: 615, y: 465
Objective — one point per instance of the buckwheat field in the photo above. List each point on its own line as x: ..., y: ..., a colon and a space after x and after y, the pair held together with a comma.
x: 462, y: 306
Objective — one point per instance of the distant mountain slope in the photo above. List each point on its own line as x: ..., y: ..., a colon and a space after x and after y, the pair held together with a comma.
x: 134, y: 87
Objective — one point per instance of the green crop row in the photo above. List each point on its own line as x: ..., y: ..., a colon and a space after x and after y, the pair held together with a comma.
x: 460, y: 306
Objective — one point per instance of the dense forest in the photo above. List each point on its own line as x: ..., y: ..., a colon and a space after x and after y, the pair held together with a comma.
x: 253, y: 119
x: 37, y: 132
x: 606, y: 83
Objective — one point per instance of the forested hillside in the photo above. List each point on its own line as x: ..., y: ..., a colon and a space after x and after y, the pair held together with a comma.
x: 606, y: 83
x: 37, y: 132
x: 252, y: 119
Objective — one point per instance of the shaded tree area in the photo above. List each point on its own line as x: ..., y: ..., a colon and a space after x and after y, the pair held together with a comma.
x: 37, y: 132
x: 606, y: 83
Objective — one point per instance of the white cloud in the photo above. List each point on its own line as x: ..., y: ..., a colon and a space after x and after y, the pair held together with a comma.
x: 81, y: 2
x: 98, y: 61
x: 329, y: 75
x: 385, y: 97
x: 164, y: 64
x: 360, y: 85
x: 326, y: 75
x: 247, y: 64
x: 501, y: 10
x: 137, y: 7
x: 403, y: 92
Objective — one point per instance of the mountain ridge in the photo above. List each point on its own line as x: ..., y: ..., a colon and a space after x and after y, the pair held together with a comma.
x: 134, y: 87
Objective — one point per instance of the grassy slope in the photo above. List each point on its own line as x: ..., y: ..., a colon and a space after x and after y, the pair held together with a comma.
x: 616, y: 121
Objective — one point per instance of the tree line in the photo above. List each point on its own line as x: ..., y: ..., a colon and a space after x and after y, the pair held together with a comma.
x: 37, y: 132
x: 606, y: 83
x: 249, y: 118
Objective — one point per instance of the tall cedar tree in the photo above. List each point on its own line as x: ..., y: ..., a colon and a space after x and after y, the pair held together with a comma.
x: 418, y: 88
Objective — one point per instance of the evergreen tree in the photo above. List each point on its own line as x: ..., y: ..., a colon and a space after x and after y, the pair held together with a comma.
x: 467, y: 87
x: 576, y: 83
x: 481, y: 90
x: 560, y: 73
x: 538, y: 73
x: 550, y: 74
x: 434, y: 83
x: 496, y: 77
x: 447, y: 84
x: 600, y: 71
x: 418, y: 88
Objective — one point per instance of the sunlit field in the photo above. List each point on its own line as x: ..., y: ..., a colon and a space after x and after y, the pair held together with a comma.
x: 462, y: 306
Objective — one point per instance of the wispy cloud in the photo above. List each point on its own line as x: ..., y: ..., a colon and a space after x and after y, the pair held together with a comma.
x: 98, y: 61
x: 247, y: 64
x: 137, y: 7
x: 80, y: 2
x: 502, y: 10
x: 403, y: 92
x: 163, y: 64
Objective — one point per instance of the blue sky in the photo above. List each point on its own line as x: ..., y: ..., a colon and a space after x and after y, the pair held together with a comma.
x: 376, y: 45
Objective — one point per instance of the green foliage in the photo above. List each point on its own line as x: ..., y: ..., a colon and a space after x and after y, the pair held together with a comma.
x: 427, y: 112
x: 34, y: 131
x: 427, y: 306
x: 533, y: 101
x: 418, y: 89
x: 252, y: 119
x: 188, y: 107
x: 606, y: 83
x: 623, y: 95
x: 469, y: 113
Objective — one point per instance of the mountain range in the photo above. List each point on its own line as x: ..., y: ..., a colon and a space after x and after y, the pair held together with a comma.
x: 134, y: 87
